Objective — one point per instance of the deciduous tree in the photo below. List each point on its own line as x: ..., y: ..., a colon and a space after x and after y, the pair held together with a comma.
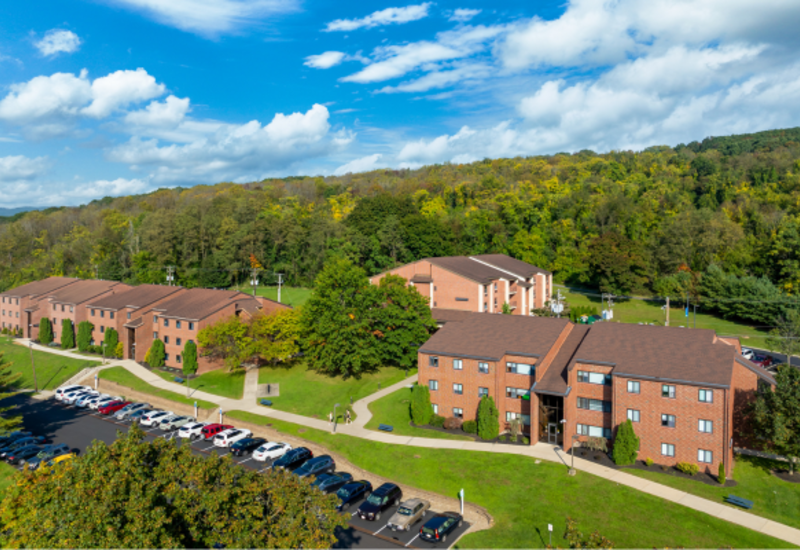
x: 777, y: 414
x: 7, y: 380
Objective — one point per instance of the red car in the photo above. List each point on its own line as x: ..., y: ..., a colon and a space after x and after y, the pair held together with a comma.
x: 762, y: 360
x: 213, y: 429
x: 112, y: 407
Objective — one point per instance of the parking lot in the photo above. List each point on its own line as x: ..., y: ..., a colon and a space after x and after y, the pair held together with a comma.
x: 80, y: 427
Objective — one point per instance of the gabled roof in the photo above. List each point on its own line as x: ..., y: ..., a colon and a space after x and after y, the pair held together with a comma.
x: 81, y: 291
x: 518, y: 267
x: 555, y: 378
x: 137, y: 297
x: 468, y: 268
x: 38, y: 288
x: 198, y: 303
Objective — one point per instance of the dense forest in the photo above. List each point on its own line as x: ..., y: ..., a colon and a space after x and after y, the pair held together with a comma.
x: 628, y: 222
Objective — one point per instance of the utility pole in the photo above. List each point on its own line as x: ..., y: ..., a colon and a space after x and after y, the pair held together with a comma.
x: 560, y: 307
x: 280, y: 282
x: 666, y: 323
x: 170, y: 275
x: 33, y: 367
x: 254, y: 281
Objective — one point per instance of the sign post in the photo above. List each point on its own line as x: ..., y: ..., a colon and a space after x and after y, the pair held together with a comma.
x: 461, y: 498
x: 95, y: 381
x: 550, y: 529
x: 220, y: 415
x: 195, y: 410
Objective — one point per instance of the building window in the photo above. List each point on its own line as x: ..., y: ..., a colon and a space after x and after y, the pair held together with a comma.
x: 485, y: 306
x: 633, y: 415
x: 594, y: 404
x: 458, y: 413
x: 178, y: 358
x: 668, y: 391
x: 111, y: 314
x: 63, y: 309
x: 668, y: 420
x: 191, y: 326
x: 54, y: 307
x: 594, y: 378
x: 526, y: 418
x: 129, y: 315
x: 667, y: 449
x: 520, y: 368
x: 483, y: 391
x: 462, y: 299
x: 705, y: 456
x: 593, y: 431
x: 458, y: 364
x: 155, y: 336
x: 516, y: 393
x: 155, y: 318
x: 166, y: 339
x: 177, y: 341
x: 495, y: 287
x: 634, y: 387
x: 166, y: 322
x: 102, y: 314
x: 190, y: 341
x: 92, y: 313
x: 706, y: 396
x: 435, y: 408
x: 483, y: 368
x: 433, y: 361
x: 458, y: 389
x: 102, y: 329
x: 705, y: 426
x: 166, y: 357
x: 433, y: 385
x: 177, y: 324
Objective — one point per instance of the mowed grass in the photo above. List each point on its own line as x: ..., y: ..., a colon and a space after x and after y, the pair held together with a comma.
x: 523, y: 497
x: 645, y: 311
x: 51, y: 370
x: 307, y: 392
x: 394, y: 410
x: 124, y: 378
x: 293, y: 296
x: 772, y: 497
x: 219, y: 382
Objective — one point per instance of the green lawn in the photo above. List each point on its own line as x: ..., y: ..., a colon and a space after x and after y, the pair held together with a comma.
x: 394, y: 410
x: 125, y: 378
x: 523, y: 497
x: 218, y: 382
x: 641, y: 311
x: 309, y: 393
x: 773, y: 498
x: 293, y: 296
x: 51, y: 370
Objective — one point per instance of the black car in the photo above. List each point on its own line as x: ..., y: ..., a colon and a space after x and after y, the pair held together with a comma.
x: 328, y: 483
x: 21, y: 442
x: 437, y: 528
x: 247, y: 445
x: 320, y: 465
x: 19, y: 456
x: 353, y: 492
x: 385, y: 496
x: 13, y: 436
x: 293, y: 459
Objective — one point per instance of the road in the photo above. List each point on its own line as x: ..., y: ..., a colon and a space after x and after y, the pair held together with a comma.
x: 776, y: 357
x: 78, y: 428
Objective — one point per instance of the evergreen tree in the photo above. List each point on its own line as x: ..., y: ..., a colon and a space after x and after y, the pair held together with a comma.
x: 189, y: 359
x: 626, y: 445
x: 506, y: 309
x: 421, y: 410
x: 67, y: 334
x: 155, y: 357
x: 45, y: 331
x: 488, y: 419
x: 85, y: 329
x: 110, y: 341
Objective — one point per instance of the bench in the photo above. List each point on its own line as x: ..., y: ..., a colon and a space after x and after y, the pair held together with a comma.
x: 266, y: 402
x: 178, y: 379
x: 385, y: 427
x: 739, y: 501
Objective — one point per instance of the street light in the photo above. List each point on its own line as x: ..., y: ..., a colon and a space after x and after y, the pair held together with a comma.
x: 334, y: 416
x: 33, y: 368
x: 572, y: 451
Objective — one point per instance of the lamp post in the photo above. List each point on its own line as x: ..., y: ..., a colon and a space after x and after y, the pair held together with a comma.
x: 572, y: 452
x: 33, y: 368
x: 334, y: 416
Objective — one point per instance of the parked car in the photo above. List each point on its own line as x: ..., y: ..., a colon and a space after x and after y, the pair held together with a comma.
x: 409, y: 513
x: 193, y: 430
x: 136, y: 416
x: 247, y: 445
x: 353, y: 492
x: 60, y: 392
x: 86, y: 402
x: 439, y: 526
x: 270, y: 451
x: 153, y: 417
x: 293, y: 459
x: 762, y: 360
x: 747, y: 353
x: 112, y: 407
x: 329, y: 483
x: 230, y: 436
x: 22, y: 442
x: 46, y: 454
x: 175, y: 422
x: 213, y: 429
x: 53, y: 462
x: 320, y: 465
x: 13, y: 436
x: 129, y: 409
x: 71, y: 398
x: 102, y: 401
x: 170, y: 416
x: 382, y: 498
x: 19, y: 456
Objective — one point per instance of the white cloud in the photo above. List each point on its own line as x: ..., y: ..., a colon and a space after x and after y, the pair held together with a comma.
x: 441, y: 79
x: 17, y: 168
x: 388, y: 16
x: 209, y: 17
x: 463, y: 14
x: 167, y: 114
x: 61, y: 94
x: 120, y: 89
x: 363, y: 164
x: 325, y: 60
x: 57, y: 41
x: 108, y: 188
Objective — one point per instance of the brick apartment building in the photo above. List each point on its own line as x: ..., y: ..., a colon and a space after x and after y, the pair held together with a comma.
x: 681, y: 388
x: 124, y: 312
x: 478, y: 283
x: 15, y: 302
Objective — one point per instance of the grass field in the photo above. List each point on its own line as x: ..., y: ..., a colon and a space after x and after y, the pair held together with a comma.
x: 218, y: 382
x: 772, y: 497
x: 641, y: 311
x: 523, y: 497
x: 51, y: 370
x: 309, y: 393
x: 293, y: 296
x: 125, y: 378
x: 394, y: 410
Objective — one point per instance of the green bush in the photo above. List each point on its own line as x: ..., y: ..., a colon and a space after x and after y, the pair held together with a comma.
x: 119, y: 350
x: 488, y: 419
x: 85, y: 329
x: 688, y: 468
x: 721, y: 474
x: 110, y: 340
x: 648, y: 461
x: 470, y: 426
x: 626, y: 445
x: 421, y: 409
x: 155, y: 357
x: 67, y: 334
x: 436, y: 421
x: 189, y: 358
x: 526, y: 441
x: 45, y: 331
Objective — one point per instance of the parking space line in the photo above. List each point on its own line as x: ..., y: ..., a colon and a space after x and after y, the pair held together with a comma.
x: 381, y: 529
x: 412, y: 540
x: 243, y: 461
x: 354, y: 513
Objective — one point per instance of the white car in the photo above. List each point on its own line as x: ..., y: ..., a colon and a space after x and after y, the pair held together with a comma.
x: 153, y: 418
x: 270, y: 451
x: 72, y: 398
x: 60, y: 392
x: 84, y: 401
x: 748, y: 354
x: 192, y: 431
x: 174, y: 422
x: 94, y: 405
x: 224, y: 439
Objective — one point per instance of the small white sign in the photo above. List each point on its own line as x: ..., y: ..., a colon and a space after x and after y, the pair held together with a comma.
x: 550, y: 527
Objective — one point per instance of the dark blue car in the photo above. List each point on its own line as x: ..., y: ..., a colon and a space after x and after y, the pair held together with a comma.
x: 328, y: 483
x: 21, y: 442
x: 439, y: 526
x: 352, y: 493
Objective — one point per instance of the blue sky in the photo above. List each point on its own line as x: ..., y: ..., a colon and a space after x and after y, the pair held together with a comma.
x: 111, y: 97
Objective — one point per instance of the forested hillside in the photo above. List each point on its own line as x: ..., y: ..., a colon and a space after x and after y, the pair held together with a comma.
x: 650, y: 221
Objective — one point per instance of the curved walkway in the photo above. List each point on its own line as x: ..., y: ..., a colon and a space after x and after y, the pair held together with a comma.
x: 540, y: 451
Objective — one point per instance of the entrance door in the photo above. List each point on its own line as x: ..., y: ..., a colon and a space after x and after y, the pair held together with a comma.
x: 552, y: 433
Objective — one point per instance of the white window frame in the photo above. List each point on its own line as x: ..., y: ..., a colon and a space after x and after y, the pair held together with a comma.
x: 483, y: 368
x: 705, y: 396
x: 634, y: 384
x: 435, y: 408
x: 458, y: 412
x: 706, y: 457
x: 482, y: 393
x: 672, y: 392
x: 668, y: 449
x: 433, y: 385
x: 458, y: 389
x: 458, y: 364
x: 667, y: 419
x: 705, y: 426
x: 634, y: 415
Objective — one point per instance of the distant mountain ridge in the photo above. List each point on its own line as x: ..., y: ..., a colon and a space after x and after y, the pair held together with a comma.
x: 5, y: 212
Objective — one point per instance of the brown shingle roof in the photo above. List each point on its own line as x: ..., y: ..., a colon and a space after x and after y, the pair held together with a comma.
x: 421, y: 278
x: 490, y: 337
x: 554, y: 380
x: 441, y: 315
x: 518, y: 267
x: 198, y: 303
x: 38, y: 288
x: 470, y: 269
x: 81, y: 291
x: 139, y: 296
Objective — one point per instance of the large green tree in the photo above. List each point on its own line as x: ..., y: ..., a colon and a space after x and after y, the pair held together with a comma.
x: 776, y: 414
x: 110, y: 341
x: 67, y: 334
x: 156, y: 354
x: 85, y: 329
x: 137, y: 494
x: 45, y: 331
x: 189, y: 358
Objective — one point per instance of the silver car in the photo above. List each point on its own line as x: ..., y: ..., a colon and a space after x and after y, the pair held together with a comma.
x: 173, y: 422
x: 126, y: 411
x: 409, y: 513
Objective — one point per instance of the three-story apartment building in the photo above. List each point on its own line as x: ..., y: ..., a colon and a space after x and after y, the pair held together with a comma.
x: 15, y: 304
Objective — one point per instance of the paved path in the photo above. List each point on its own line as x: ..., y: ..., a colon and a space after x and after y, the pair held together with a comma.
x: 540, y: 451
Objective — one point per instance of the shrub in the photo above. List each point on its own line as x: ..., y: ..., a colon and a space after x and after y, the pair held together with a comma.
x: 110, y: 341
x: 488, y: 419
x: 515, y: 427
x: 526, y: 441
x: 421, y: 409
x: 45, y: 331
x: 597, y: 444
x: 85, y: 329
x: 470, y: 427
x: 504, y: 438
x: 67, y: 334
x: 625, y: 445
x: 452, y: 423
x: 688, y: 468
x: 119, y: 350
x: 436, y: 421
x: 189, y: 358
x: 721, y: 475
x: 155, y: 357
x: 648, y: 461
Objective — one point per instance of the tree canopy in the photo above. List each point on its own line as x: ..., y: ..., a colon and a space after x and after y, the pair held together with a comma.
x: 777, y: 414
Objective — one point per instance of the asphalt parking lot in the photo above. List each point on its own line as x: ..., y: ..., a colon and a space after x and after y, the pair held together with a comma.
x: 78, y: 428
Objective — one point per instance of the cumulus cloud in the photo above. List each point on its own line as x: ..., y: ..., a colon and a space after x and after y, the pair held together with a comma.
x: 120, y: 89
x: 325, y: 60
x: 441, y: 78
x: 58, y: 41
x: 160, y: 114
x: 18, y: 168
x: 109, y: 188
x: 388, y: 16
x: 209, y: 17
x: 461, y: 15
x: 363, y: 164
